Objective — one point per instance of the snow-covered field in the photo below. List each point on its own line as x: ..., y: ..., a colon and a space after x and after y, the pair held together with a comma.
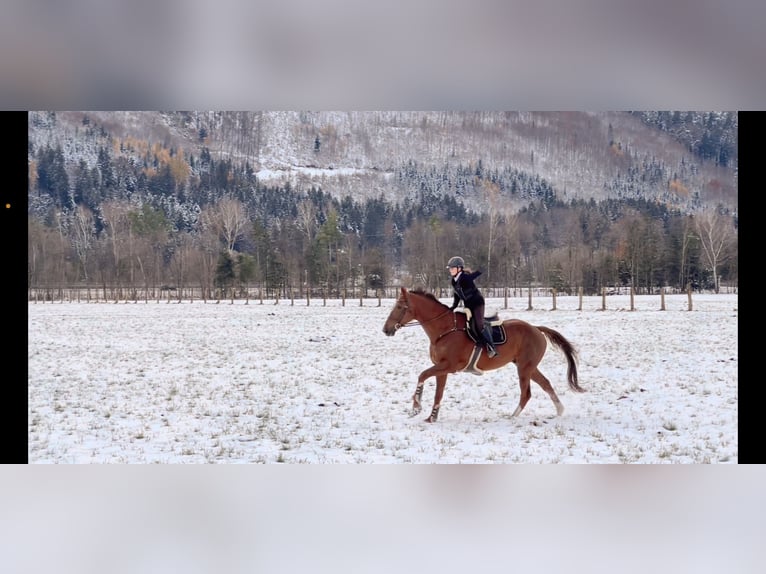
x: 197, y: 382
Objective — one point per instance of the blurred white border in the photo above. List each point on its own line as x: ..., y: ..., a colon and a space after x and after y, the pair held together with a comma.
x: 381, y: 518
x: 298, y: 54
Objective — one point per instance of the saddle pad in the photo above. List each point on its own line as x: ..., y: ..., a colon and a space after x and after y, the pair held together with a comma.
x: 497, y: 330
x: 496, y: 324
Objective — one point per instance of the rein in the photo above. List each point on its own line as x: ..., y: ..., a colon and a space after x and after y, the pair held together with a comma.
x: 398, y: 325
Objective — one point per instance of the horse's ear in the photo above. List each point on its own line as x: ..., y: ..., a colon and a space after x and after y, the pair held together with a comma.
x: 404, y: 291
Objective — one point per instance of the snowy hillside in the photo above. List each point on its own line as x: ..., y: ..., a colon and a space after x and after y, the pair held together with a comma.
x: 581, y: 155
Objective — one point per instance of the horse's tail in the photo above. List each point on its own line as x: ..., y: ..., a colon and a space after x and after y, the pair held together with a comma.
x: 569, y: 351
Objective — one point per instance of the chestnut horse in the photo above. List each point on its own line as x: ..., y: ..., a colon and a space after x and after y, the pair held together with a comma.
x: 451, y: 348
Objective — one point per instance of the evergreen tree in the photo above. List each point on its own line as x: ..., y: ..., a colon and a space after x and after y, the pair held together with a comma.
x: 106, y: 170
x: 224, y: 272
x: 52, y: 178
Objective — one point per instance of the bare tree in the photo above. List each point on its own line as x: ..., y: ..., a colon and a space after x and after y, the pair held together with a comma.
x: 35, y: 234
x: 228, y: 219
x: 83, y: 233
x: 492, y: 194
x: 428, y: 244
x: 306, y: 221
x: 40, y: 247
x: 626, y: 236
x: 209, y: 248
x: 420, y: 244
x: 510, y: 247
x: 572, y: 248
x: 117, y: 224
x: 180, y: 261
x: 686, y: 238
x: 716, y: 233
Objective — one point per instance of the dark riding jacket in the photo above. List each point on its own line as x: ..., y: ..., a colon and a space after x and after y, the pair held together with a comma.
x: 466, y: 290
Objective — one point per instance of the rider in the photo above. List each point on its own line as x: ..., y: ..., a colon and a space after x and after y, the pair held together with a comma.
x: 467, y: 292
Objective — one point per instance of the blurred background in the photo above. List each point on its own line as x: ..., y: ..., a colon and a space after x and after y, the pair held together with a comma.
x: 342, y: 55
x: 381, y: 519
x: 298, y: 54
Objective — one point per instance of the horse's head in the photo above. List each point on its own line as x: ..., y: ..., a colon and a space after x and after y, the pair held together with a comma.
x: 400, y: 315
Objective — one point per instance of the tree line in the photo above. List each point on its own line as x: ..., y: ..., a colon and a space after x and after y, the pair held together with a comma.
x: 150, y: 216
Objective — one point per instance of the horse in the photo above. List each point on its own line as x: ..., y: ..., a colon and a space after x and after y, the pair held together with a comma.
x: 452, y: 348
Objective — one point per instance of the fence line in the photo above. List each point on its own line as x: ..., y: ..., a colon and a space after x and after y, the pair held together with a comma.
x: 530, y: 299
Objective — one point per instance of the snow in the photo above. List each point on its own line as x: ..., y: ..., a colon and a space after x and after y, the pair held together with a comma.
x: 311, y: 172
x: 319, y: 382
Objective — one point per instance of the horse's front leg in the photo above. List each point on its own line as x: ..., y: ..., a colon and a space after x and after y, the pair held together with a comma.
x: 441, y: 381
x: 417, y: 405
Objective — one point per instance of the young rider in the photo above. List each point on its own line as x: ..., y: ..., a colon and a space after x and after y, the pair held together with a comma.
x: 466, y: 291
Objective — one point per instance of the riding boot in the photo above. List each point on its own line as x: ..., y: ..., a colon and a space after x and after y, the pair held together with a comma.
x: 488, y: 344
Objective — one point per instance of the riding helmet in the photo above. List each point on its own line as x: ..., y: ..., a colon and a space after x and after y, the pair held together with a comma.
x: 456, y: 262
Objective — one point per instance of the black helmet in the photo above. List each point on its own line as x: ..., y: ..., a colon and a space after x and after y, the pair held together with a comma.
x: 456, y: 262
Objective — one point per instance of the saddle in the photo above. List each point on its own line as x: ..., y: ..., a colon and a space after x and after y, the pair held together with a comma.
x: 495, y: 323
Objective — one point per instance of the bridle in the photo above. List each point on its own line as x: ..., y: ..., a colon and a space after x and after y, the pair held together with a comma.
x: 398, y: 325
x: 405, y: 307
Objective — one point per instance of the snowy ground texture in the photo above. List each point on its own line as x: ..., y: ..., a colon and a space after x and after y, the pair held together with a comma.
x: 196, y: 382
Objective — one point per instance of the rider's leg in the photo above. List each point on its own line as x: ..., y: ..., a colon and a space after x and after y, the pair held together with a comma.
x: 478, y: 318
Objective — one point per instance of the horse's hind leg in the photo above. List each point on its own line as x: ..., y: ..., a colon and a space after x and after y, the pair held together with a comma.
x: 525, y: 391
x: 540, y: 379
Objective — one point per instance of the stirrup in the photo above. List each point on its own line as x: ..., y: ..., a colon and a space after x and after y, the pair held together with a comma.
x: 491, y: 351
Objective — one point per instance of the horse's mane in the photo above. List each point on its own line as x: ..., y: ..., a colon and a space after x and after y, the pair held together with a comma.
x: 420, y: 291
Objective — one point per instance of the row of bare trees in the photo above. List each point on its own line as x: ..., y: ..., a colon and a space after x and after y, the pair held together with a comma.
x: 564, y: 247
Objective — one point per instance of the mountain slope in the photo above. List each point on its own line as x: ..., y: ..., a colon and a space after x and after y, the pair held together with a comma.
x: 580, y: 155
